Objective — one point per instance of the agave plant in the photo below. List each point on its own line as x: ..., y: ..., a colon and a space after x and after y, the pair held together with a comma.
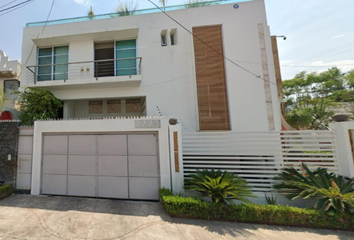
x: 332, y: 192
x: 221, y: 187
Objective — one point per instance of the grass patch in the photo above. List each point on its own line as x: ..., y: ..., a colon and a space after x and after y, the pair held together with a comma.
x: 6, y: 191
x: 254, y: 213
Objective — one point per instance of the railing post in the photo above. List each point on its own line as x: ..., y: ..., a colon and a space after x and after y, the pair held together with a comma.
x: 96, y: 69
x: 35, y: 76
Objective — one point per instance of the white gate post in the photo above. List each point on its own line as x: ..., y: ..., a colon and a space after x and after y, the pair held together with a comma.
x: 176, y: 158
x: 344, y: 147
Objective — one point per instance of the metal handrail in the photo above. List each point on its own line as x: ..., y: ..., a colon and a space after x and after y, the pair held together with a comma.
x: 105, y: 60
x: 100, y: 66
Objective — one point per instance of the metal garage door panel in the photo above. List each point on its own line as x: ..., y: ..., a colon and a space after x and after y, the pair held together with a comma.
x: 112, y: 145
x: 82, y: 165
x: 54, y: 184
x: 143, y: 166
x: 82, y: 186
x: 112, y: 166
x: 56, y: 164
x: 23, y: 181
x: 55, y: 145
x: 82, y: 144
x: 144, y: 188
x: 113, y: 187
x: 142, y: 144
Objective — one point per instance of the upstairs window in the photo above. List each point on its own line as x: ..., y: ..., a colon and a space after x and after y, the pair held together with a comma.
x: 126, y: 63
x: 173, y: 36
x: 53, y: 63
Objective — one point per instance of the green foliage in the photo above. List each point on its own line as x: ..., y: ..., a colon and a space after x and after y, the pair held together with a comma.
x: 37, y: 104
x: 313, y: 97
x: 253, y: 213
x: 127, y: 8
x: 333, y: 192
x: 6, y: 190
x: 271, y: 200
x: 91, y: 13
x: 196, y: 3
x: 221, y: 187
x: 165, y: 192
x: 3, y: 98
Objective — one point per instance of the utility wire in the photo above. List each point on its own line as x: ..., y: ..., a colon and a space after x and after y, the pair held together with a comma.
x: 35, y: 42
x: 9, y: 8
x: 16, y: 8
x: 8, y: 4
x: 228, y: 59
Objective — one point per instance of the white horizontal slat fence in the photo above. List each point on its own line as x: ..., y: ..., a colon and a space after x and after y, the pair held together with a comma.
x: 258, y: 156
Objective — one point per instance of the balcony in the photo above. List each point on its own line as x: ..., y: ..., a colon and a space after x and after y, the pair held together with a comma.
x: 110, y: 72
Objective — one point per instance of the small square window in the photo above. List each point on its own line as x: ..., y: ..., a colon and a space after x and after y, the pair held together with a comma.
x: 95, y: 107
x: 114, y: 106
x: 163, y: 37
x: 173, y: 36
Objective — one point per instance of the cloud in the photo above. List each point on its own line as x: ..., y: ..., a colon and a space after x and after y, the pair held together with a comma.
x: 338, y: 36
x: 83, y: 2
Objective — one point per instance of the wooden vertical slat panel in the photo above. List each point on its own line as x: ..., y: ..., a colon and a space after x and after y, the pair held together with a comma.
x: 210, y: 77
x: 176, y: 152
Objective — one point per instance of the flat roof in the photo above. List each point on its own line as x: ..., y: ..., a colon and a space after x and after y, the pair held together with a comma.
x: 136, y: 12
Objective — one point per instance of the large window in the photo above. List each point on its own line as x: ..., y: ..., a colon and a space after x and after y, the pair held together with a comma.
x: 126, y: 49
x: 53, y: 63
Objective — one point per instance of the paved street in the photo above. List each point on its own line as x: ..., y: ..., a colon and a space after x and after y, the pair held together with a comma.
x: 32, y: 217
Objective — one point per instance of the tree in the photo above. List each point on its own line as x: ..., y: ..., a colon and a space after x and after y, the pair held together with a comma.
x: 313, y: 97
x: 37, y: 104
x: 127, y: 8
x: 3, y: 99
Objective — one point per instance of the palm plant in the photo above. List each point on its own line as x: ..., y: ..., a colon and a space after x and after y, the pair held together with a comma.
x: 196, y: 3
x: 163, y: 2
x: 221, y: 187
x: 3, y: 99
x: 127, y: 8
x: 91, y: 14
x: 332, y: 192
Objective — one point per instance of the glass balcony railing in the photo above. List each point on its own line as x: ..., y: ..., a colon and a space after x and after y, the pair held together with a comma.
x: 136, y: 12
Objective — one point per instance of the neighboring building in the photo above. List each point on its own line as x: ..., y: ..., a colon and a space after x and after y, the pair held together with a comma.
x: 145, y: 65
x: 9, y: 82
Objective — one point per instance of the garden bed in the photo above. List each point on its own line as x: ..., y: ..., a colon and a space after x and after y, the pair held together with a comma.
x: 188, y: 207
x: 6, y: 191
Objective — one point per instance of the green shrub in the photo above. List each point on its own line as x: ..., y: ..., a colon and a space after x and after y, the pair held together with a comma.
x: 332, y: 192
x: 6, y: 190
x: 252, y: 213
x: 271, y: 200
x: 221, y: 187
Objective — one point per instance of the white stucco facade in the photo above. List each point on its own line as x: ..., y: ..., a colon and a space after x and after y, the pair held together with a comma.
x: 9, y: 71
x: 167, y: 80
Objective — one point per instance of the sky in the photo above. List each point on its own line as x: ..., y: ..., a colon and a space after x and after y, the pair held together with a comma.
x: 319, y: 32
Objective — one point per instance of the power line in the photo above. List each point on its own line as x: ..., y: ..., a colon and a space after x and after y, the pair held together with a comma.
x: 9, y: 8
x: 8, y: 4
x: 35, y: 42
x: 326, y: 52
x: 16, y: 8
x: 228, y: 59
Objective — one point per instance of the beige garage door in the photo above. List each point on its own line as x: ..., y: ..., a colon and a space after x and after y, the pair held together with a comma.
x: 111, y: 166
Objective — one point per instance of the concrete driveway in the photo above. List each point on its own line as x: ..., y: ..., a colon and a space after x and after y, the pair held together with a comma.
x: 32, y: 217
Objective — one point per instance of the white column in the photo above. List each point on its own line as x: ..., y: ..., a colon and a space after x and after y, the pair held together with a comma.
x: 177, y: 179
x: 344, y: 148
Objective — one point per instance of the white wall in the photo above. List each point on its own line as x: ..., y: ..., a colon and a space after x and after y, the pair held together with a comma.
x: 97, y: 126
x: 168, y: 73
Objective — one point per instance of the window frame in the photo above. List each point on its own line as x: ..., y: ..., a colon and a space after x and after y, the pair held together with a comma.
x: 116, y: 59
x: 52, y: 61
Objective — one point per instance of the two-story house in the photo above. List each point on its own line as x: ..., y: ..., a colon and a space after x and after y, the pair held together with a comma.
x: 210, y: 67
